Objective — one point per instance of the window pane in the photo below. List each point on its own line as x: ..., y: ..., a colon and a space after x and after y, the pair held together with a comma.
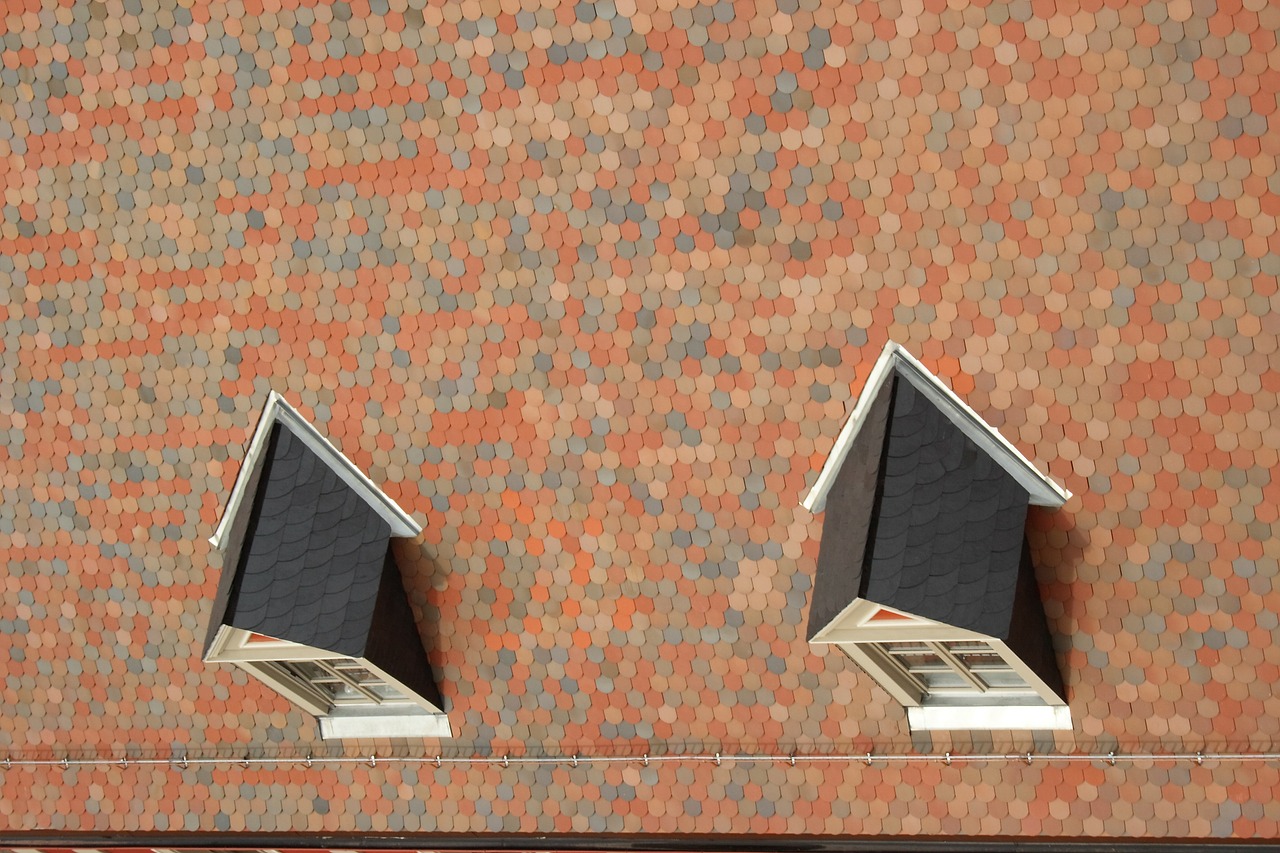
x: 385, y: 691
x: 347, y: 665
x: 988, y: 665
x: 976, y: 653
x: 916, y: 657
x: 920, y: 661
x: 336, y: 678
x: 953, y: 672
x: 345, y: 694
x: 356, y: 672
x: 926, y: 666
x: 967, y: 646
x: 1003, y: 680
x: 304, y: 669
x: 981, y: 660
x: 943, y: 679
x: 902, y: 646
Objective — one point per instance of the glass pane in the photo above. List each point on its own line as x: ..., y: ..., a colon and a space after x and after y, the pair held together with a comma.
x: 346, y: 665
x: 304, y: 669
x: 967, y: 646
x: 987, y: 665
x: 916, y: 657
x: 923, y: 662
x: 981, y: 660
x: 356, y: 671
x: 1005, y: 679
x: 385, y: 691
x: 362, y: 675
x: 344, y: 693
x: 943, y: 679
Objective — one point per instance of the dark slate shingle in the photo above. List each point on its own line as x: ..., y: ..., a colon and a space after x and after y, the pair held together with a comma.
x: 312, y: 559
x: 847, y: 522
x: 947, y: 533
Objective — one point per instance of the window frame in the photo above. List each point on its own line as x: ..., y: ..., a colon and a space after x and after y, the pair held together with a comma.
x: 863, y: 638
x: 263, y: 658
x: 909, y: 689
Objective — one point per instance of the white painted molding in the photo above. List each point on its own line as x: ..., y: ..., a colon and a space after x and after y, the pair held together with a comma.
x: 933, y: 718
x: 278, y: 410
x: 343, y: 725
x: 1041, y: 490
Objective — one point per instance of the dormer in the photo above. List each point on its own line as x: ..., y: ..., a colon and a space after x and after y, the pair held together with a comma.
x: 924, y: 574
x: 311, y: 601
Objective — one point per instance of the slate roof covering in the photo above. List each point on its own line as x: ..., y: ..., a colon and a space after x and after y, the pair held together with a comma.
x: 920, y: 519
x: 311, y: 561
x: 848, y: 521
x: 948, y: 527
x: 588, y: 288
x: 311, y: 565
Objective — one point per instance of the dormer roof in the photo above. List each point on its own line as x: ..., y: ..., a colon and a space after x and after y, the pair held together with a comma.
x: 925, y: 507
x: 308, y: 557
x: 896, y: 362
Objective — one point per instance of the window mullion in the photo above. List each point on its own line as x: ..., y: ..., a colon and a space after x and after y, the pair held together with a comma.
x: 350, y: 682
x: 960, y: 669
x: 891, y: 661
x: 887, y: 671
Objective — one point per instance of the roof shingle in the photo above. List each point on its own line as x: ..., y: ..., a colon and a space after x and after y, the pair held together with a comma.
x: 946, y: 538
x: 312, y: 561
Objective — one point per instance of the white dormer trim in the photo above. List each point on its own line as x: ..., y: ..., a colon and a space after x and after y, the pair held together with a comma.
x: 278, y: 410
x: 411, y: 716
x: 1009, y: 717
x: 855, y: 625
x: 1033, y: 704
x: 1041, y: 490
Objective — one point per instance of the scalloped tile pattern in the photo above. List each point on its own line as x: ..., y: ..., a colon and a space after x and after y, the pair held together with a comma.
x: 587, y: 288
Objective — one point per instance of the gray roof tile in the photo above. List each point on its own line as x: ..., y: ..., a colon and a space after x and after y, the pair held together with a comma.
x: 949, y: 524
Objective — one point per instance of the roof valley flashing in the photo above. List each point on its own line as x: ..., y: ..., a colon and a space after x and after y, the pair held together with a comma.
x: 924, y: 574
x: 311, y: 600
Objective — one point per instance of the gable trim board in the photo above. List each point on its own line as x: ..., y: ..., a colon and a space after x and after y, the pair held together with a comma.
x: 278, y: 410
x: 895, y: 359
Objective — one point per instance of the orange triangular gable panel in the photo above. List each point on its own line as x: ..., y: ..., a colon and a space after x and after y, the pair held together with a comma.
x: 886, y: 615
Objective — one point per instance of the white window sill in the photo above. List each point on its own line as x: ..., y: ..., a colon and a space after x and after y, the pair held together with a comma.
x: 377, y: 723
x: 988, y: 717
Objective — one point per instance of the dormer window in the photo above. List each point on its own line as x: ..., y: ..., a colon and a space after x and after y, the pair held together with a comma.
x: 311, y: 600
x: 924, y: 574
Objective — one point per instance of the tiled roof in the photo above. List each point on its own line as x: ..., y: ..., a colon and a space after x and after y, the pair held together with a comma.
x: 588, y: 288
